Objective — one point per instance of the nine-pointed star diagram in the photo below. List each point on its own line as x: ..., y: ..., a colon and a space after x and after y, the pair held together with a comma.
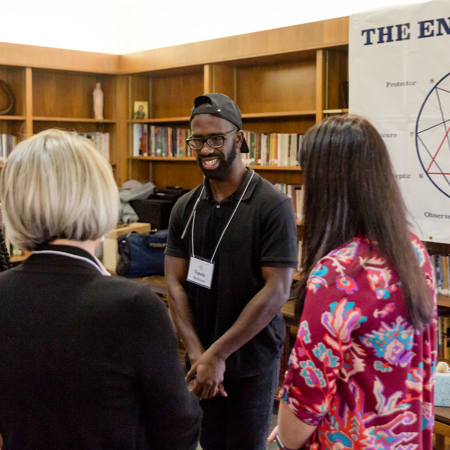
x: 433, y: 135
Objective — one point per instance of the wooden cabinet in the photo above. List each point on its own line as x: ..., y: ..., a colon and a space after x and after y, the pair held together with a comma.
x: 170, y: 94
x: 47, y: 98
x: 63, y: 99
x: 14, y: 122
x: 440, y: 257
x: 276, y: 94
x: 283, y: 80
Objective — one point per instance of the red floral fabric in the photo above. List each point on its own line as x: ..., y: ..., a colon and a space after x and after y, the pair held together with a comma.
x: 358, y: 370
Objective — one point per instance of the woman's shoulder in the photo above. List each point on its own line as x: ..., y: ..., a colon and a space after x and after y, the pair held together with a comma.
x: 349, y: 256
x: 355, y: 268
x: 126, y: 293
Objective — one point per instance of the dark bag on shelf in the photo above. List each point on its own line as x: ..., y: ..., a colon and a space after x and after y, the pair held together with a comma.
x: 169, y: 193
x: 141, y: 255
x: 153, y: 211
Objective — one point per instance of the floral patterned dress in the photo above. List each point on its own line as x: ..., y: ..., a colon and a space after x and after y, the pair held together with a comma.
x: 358, y: 369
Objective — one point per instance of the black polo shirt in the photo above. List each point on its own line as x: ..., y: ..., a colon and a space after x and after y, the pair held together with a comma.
x: 262, y: 233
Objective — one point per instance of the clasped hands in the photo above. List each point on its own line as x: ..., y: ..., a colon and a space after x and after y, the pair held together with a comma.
x: 206, y: 376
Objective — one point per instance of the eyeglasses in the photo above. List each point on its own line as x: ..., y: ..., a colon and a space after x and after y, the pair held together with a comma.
x: 196, y: 143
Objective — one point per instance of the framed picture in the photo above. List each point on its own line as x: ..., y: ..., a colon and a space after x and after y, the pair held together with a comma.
x: 140, y: 110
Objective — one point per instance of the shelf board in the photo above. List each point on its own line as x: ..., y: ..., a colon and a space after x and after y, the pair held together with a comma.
x: 162, y: 120
x: 12, y: 117
x: 163, y: 158
x: 268, y: 115
x: 277, y: 168
x: 191, y: 158
x: 443, y: 300
x: 70, y: 119
x: 244, y: 116
x: 336, y: 111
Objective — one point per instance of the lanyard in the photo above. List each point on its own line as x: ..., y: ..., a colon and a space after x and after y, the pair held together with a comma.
x: 99, y: 266
x: 229, y: 221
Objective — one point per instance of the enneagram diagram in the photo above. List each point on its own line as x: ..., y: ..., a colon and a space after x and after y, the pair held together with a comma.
x: 433, y: 135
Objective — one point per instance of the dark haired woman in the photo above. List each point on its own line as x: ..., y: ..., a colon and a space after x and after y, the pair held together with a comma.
x: 361, y: 373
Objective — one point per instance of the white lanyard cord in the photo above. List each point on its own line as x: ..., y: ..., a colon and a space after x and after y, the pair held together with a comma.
x: 229, y: 221
x: 192, y: 231
x: 192, y: 212
x: 99, y: 266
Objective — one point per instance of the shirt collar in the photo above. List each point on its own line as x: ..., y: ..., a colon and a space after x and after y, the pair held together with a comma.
x: 207, y: 193
x: 66, y: 249
x: 74, y: 253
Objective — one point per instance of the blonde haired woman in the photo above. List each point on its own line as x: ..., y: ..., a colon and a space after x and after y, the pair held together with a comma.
x: 87, y: 361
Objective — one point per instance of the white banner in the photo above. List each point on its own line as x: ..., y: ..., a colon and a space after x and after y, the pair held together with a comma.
x: 399, y: 80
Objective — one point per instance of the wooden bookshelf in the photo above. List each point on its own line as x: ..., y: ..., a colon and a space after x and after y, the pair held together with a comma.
x: 163, y: 158
x: 276, y: 93
x: 19, y: 259
x: 12, y: 118
x: 46, y: 98
x: 163, y: 120
x: 284, y: 80
x: 443, y: 301
x: 70, y: 119
x: 192, y: 158
x: 277, y: 168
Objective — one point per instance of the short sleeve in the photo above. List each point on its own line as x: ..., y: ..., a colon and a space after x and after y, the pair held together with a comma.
x: 323, y: 342
x: 175, y: 245
x: 279, y: 237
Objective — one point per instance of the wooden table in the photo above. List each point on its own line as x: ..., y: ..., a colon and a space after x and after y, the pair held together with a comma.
x: 441, y: 426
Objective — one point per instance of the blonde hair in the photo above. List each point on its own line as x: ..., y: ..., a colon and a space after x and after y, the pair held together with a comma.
x: 55, y: 185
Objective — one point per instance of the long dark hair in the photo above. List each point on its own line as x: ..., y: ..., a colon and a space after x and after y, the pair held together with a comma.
x: 351, y: 190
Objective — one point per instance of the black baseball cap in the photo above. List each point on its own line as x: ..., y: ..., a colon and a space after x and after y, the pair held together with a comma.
x: 219, y: 105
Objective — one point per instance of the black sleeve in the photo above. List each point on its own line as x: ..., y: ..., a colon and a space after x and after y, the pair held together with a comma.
x: 172, y: 413
x: 279, y: 237
x: 175, y: 245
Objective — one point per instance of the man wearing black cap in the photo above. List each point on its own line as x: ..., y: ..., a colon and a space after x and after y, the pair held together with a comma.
x: 231, y: 253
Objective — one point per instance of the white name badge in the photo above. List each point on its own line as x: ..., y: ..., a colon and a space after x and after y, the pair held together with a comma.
x: 200, y: 272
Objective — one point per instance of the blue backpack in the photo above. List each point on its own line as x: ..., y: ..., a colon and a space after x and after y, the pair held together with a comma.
x: 141, y: 255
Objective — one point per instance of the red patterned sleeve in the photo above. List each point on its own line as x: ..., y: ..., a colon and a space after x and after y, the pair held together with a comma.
x: 324, y: 336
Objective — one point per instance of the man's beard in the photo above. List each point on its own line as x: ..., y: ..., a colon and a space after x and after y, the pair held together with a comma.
x: 224, y: 166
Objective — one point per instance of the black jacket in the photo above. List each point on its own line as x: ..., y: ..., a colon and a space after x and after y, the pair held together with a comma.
x: 88, y: 361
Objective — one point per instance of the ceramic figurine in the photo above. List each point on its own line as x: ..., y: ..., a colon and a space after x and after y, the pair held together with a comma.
x: 98, y: 102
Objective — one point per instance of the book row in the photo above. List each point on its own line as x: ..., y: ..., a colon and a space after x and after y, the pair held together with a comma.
x: 274, y: 149
x: 7, y: 143
x: 296, y: 193
x: 100, y: 141
x: 160, y: 141
x: 442, y: 268
x: 443, y: 338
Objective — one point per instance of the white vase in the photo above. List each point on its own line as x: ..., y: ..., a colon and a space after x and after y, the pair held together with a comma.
x: 98, y: 102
